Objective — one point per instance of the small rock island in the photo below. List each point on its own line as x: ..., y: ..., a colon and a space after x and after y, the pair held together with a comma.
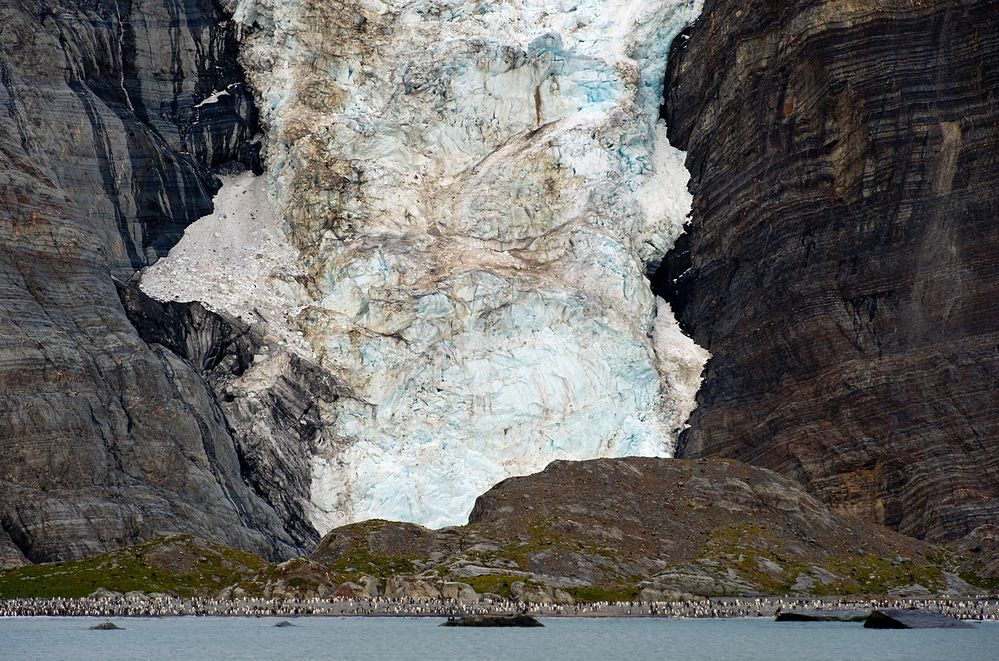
x: 493, y: 620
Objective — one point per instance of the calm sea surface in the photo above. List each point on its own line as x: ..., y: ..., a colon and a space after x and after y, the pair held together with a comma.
x: 346, y: 639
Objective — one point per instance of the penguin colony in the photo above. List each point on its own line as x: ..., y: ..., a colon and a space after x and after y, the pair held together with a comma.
x: 114, y: 605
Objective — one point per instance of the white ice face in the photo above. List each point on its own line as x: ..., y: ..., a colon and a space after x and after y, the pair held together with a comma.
x: 475, y: 189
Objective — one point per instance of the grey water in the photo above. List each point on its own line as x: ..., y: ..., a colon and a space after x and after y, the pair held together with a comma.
x: 576, y: 639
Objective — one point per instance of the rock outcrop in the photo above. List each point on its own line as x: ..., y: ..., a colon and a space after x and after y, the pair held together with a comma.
x: 659, y: 527
x: 180, y: 565
x: 269, y: 397
x: 111, y: 115
x: 841, y: 262
x: 645, y: 529
x: 10, y: 554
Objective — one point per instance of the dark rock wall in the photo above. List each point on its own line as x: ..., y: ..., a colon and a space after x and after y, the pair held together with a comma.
x: 843, y: 264
x: 276, y: 428
x: 104, y: 159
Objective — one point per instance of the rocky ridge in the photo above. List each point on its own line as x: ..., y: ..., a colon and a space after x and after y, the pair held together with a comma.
x: 840, y: 263
x: 622, y: 528
x: 661, y: 530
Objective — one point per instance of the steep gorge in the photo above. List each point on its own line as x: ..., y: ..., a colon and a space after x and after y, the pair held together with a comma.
x: 439, y: 281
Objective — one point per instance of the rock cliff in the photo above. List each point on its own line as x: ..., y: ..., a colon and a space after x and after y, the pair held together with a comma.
x: 269, y: 400
x: 440, y: 280
x: 841, y: 262
x: 111, y: 115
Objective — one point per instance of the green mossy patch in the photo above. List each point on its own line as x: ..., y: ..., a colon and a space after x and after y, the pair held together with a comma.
x: 870, y: 574
x: 966, y: 567
x: 495, y: 583
x: 988, y: 584
x: 179, y: 565
x: 749, y: 550
x: 543, y: 535
x: 358, y: 561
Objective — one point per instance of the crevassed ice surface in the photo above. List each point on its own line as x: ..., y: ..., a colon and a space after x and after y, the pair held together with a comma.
x: 475, y: 189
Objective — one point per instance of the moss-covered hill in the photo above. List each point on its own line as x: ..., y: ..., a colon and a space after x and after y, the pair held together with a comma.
x: 590, y: 531
x: 180, y: 565
x: 612, y: 528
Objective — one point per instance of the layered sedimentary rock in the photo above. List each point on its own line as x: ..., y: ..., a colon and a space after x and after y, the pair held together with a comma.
x: 229, y: 286
x: 841, y: 266
x: 476, y: 191
x: 111, y: 114
x: 10, y: 554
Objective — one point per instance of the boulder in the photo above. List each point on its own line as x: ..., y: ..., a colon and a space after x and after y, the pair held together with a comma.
x: 105, y: 626
x: 398, y: 587
x: 912, y: 619
x: 462, y: 592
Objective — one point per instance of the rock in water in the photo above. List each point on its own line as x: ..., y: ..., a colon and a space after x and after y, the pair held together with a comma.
x: 841, y: 267
x: 284, y: 623
x: 912, y: 619
x: 106, y: 626
x: 512, y: 620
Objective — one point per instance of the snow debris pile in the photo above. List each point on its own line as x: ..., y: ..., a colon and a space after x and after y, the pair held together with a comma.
x: 236, y: 261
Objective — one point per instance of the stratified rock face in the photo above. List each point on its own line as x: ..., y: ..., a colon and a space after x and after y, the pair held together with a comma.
x: 226, y: 276
x: 842, y: 260
x: 477, y: 190
x: 10, y: 554
x: 270, y: 399
x: 110, y: 114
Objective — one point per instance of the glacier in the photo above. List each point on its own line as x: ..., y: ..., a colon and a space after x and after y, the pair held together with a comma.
x: 460, y: 204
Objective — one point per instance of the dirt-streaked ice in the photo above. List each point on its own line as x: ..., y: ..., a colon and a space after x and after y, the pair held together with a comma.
x: 475, y: 189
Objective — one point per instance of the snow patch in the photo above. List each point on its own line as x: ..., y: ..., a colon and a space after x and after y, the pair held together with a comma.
x: 212, y: 98
x: 236, y: 261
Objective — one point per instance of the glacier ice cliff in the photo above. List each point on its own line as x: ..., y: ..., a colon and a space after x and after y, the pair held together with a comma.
x: 475, y: 191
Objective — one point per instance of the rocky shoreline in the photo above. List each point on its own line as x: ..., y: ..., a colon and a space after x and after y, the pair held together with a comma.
x: 142, y: 605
